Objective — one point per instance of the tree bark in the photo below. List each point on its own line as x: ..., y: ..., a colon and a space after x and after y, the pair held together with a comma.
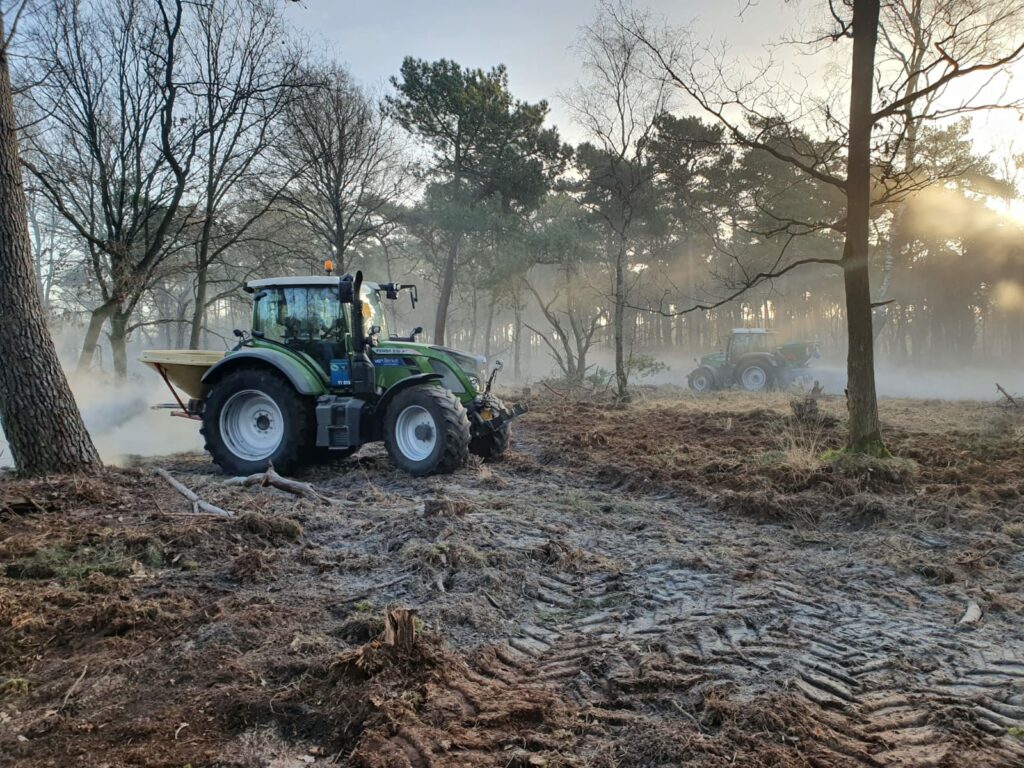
x: 199, y: 309
x: 92, y: 335
x: 119, y: 343
x: 447, y: 285
x: 865, y: 432
x: 37, y: 410
x: 517, y: 352
x: 618, y: 323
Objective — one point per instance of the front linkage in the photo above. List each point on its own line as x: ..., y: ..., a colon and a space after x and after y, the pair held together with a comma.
x: 489, y: 416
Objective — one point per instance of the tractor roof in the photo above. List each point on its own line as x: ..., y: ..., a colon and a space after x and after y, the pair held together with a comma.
x: 271, y: 282
x: 751, y: 330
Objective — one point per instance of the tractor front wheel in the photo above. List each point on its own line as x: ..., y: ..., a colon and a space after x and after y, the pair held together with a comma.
x: 254, y: 417
x: 755, y: 377
x: 426, y: 431
x: 702, y: 380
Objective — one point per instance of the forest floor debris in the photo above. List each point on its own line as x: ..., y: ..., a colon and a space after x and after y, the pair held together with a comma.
x: 706, y: 581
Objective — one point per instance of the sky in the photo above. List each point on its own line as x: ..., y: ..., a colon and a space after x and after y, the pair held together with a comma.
x: 535, y: 40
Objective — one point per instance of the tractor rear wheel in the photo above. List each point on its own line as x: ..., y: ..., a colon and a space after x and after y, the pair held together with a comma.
x: 254, y: 417
x: 426, y: 431
x: 755, y: 377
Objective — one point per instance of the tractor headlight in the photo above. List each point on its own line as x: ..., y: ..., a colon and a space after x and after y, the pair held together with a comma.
x: 475, y: 381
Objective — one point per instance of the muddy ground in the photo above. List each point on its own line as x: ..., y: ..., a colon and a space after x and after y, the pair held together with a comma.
x: 680, y: 581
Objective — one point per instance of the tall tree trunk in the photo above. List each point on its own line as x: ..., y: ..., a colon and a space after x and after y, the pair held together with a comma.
x: 118, y: 343
x: 199, y: 309
x: 619, y: 323
x: 490, y: 326
x: 517, y: 351
x: 37, y: 410
x: 447, y: 284
x: 92, y: 335
x: 865, y: 432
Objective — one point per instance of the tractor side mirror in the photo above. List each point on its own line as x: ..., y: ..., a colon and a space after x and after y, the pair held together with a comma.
x: 345, y: 291
x: 416, y: 332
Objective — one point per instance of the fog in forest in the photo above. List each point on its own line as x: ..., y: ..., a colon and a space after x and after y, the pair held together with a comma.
x: 622, y: 205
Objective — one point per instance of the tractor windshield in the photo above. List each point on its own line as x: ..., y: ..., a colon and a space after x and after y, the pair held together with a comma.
x: 743, y: 343
x: 299, y: 313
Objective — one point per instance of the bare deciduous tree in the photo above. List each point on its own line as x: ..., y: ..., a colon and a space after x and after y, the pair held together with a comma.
x: 116, y: 150
x: 244, y: 74
x: 345, y: 162
x: 618, y: 107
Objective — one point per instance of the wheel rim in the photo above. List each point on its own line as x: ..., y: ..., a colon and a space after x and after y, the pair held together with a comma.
x: 415, y: 433
x: 754, y: 378
x: 700, y: 382
x: 251, y: 425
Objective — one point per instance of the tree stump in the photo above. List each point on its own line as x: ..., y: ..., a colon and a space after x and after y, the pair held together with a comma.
x: 400, y: 628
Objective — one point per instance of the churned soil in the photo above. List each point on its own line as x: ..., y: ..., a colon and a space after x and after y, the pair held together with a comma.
x: 679, y: 581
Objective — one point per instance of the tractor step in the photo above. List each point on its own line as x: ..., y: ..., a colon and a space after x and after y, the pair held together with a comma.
x: 338, y: 422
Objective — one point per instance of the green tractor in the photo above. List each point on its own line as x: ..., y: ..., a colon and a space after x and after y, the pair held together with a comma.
x: 752, y: 361
x: 319, y: 375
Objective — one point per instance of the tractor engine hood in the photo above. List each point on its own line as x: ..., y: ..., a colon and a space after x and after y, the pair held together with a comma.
x: 713, y: 359
x: 469, y: 363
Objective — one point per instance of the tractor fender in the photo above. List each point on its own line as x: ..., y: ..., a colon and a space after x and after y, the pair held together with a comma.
x: 412, y: 381
x: 303, y: 381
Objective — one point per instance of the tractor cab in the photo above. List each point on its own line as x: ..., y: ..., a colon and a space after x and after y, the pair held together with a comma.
x: 308, y: 315
x: 744, y: 341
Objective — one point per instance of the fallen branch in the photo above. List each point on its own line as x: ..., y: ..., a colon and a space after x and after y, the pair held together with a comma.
x: 198, y: 505
x: 270, y: 477
x: 554, y: 391
x: 1007, y: 395
x: 73, y: 688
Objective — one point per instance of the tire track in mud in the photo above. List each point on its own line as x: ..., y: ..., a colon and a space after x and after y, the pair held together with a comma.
x: 643, y: 609
x: 710, y: 602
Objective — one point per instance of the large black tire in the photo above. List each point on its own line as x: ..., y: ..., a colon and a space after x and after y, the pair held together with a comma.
x: 755, y: 377
x: 296, y: 427
x: 490, y: 445
x: 702, y: 379
x: 426, y: 431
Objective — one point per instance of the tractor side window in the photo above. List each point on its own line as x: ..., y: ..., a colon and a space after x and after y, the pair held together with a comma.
x: 373, y: 313
x: 299, y: 314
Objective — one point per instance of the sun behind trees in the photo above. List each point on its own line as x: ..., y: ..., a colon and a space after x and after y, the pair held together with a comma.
x: 859, y: 157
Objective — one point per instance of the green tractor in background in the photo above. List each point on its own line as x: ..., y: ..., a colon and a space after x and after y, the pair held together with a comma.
x: 319, y: 375
x: 752, y: 361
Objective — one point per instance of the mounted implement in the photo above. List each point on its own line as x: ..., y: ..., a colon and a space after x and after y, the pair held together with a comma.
x: 319, y: 375
x: 752, y: 361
